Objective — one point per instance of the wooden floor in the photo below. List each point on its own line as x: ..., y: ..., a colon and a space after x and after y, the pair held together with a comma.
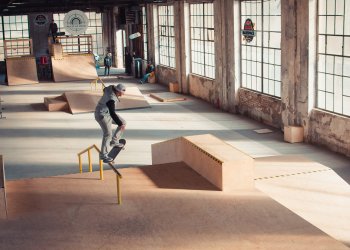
x: 163, y: 207
x: 53, y: 207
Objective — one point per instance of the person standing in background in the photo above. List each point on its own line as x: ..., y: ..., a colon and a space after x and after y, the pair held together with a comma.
x: 53, y: 29
x: 108, y: 63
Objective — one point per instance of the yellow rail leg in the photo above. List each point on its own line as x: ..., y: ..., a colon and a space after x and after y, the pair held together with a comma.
x: 90, y: 162
x: 118, y: 191
x: 80, y: 164
x: 101, y: 170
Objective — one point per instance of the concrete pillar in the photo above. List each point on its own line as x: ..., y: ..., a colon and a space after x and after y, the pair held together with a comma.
x: 294, y: 47
x: 108, y: 30
x: 39, y: 34
x: 224, y: 53
x: 228, y: 89
x: 220, y: 59
x: 182, y: 44
x: 150, y: 32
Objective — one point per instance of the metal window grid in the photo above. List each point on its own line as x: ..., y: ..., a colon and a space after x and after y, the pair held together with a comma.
x: 166, y: 35
x: 261, y: 58
x: 202, y: 39
x: 94, y: 29
x: 12, y: 27
x: 333, y: 66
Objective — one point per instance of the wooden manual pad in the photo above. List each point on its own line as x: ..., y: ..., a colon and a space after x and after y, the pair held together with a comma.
x: 21, y: 70
x: 86, y: 101
x: 58, y: 103
x: 167, y: 97
x: 223, y: 165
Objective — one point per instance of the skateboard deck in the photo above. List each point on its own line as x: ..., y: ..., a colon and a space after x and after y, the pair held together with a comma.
x: 115, y: 150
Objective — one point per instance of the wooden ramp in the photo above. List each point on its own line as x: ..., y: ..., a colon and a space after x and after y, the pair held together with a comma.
x: 21, y: 70
x: 74, y: 67
x: 3, y: 201
x: 58, y: 103
x: 166, y: 206
x: 220, y: 163
x: 168, y: 97
x: 86, y: 101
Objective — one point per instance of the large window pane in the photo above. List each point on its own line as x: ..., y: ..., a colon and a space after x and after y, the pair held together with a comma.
x: 261, y: 57
x: 202, y: 39
x: 166, y: 35
x: 333, y: 68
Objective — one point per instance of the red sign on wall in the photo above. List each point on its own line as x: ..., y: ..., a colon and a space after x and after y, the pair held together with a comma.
x: 248, y: 31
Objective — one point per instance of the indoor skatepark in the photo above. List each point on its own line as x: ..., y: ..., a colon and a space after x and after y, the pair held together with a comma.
x: 162, y: 205
x: 237, y: 129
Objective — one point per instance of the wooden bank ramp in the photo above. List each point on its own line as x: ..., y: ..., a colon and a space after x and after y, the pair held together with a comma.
x: 73, y: 67
x: 220, y: 163
x: 86, y: 101
x: 165, y: 206
x: 21, y: 70
x: 168, y: 97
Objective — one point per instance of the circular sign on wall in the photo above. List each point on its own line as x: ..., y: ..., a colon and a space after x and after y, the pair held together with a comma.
x: 248, y: 31
x: 75, y: 22
x: 40, y: 20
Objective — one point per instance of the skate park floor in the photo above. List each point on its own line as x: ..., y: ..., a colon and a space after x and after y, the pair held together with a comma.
x: 52, y: 206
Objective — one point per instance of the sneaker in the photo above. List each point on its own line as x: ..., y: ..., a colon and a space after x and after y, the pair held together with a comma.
x: 141, y: 82
x: 107, y: 159
x: 116, y: 144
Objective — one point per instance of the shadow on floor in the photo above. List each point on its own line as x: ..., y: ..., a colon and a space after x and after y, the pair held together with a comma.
x: 177, y: 176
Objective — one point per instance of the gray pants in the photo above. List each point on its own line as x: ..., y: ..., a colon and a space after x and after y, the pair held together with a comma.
x: 106, y: 125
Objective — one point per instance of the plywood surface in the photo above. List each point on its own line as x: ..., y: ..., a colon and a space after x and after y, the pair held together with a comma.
x: 86, y: 101
x: 220, y: 163
x: 285, y: 165
x: 168, y: 97
x: 216, y: 147
x: 74, y: 67
x: 163, y: 207
x: 21, y: 70
x: 309, y: 189
x: 2, y: 173
x: 58, y: 103
x: 3, y: 202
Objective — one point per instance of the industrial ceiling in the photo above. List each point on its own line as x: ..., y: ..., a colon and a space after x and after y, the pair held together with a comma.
x: 16, y: 7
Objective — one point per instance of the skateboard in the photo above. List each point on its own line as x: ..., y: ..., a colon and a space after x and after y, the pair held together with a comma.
x: 116, y: 150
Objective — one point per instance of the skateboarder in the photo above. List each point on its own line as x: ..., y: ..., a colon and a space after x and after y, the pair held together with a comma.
x: 105, y: 115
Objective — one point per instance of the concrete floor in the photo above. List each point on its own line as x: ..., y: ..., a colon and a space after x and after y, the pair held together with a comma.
x: 37, y: 143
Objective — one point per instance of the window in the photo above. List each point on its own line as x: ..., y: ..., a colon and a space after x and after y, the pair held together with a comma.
x: 94, y: 29
x: 15, y: 27
x: 261, y: 58
x: 144, y: 32
x: 202, y: 39
x: 166, y: 35
x: 333, y: 70
x: 2, y: 52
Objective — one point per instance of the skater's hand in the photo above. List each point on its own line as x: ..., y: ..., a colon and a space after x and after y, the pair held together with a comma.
x: 122, y: 127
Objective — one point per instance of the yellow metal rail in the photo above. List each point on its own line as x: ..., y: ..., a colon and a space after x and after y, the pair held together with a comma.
x: 94, y: 84
x: 118, y: 175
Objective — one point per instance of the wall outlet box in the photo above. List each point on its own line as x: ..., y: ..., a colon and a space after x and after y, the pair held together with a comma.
x: 173, y: 87
x: 293, y: 134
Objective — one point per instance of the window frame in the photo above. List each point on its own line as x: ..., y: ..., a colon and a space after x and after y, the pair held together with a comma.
x: 205, y: 42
